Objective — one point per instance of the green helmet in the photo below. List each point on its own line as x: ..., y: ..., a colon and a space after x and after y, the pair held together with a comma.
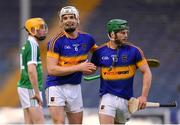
x: 115, y: 25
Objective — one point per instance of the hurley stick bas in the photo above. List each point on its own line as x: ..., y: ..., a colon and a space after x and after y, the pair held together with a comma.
x: 133, y: 104
x: 153, y: 63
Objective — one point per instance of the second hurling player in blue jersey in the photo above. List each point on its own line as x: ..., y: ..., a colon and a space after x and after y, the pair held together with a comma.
x: 66, y: 62
x: 118, y: 61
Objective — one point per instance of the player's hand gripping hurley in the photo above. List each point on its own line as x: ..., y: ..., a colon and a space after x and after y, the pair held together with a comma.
x: 133, y: 104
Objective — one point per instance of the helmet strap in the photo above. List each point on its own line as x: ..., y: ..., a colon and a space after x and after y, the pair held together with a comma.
x: 112, y: 39
x: 115, y: 40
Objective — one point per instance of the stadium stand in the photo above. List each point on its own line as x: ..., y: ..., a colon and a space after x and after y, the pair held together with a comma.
x: 9, y: 35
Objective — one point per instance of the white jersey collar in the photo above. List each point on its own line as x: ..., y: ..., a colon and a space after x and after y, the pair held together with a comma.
x: 32, y: 39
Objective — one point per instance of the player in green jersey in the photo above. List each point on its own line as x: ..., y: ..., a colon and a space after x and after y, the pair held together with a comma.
x: 30, y: 83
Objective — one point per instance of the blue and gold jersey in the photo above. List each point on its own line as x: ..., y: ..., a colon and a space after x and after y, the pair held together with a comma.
x: 69, y: 52
x: 118, y: 68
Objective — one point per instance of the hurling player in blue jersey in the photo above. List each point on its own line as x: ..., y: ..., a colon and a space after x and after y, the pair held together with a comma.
x: 66, y: 62
x: 118, y: 60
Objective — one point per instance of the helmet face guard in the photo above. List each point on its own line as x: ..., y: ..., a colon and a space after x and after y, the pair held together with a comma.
x: 33, y: 25
x: 116, y: 25
x: 69, y: 10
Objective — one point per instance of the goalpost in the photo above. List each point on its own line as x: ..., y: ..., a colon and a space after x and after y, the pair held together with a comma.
x: 25, y: 11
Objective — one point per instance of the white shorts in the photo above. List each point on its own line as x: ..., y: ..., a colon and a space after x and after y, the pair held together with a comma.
x: 66, y: 95
x: 25, y: 96
x: 115, y: 106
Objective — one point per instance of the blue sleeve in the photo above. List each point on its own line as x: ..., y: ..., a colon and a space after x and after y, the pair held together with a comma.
x: 93, y: 42
x: 53, y: 46
x: 139, y: 55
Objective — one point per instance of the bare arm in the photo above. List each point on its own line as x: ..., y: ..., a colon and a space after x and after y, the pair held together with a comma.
x: 147, y: 77
x: 32, y: 72
x: 55, y: 69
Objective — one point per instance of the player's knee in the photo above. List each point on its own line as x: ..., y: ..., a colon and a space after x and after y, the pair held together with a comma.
x: 75, y: 118
x: 58, y: 120
x: 38, y: 120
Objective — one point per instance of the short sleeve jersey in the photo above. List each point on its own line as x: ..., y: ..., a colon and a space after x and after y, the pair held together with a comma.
x: 30, y: 54
x: 117, y: 78
x: 69, y: 52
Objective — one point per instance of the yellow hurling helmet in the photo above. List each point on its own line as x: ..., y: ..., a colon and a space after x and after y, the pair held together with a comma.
x: 36, y: 24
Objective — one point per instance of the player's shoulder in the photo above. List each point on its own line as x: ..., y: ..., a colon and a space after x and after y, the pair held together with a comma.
x: 54, y: 41
x: 58, y: 36
x: 82, y: 32
x: 28, y: 44
x: 132, y: 46
x: 85, y: 33
x: 101, y: 47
